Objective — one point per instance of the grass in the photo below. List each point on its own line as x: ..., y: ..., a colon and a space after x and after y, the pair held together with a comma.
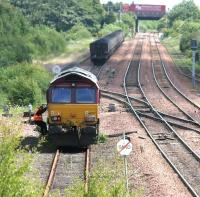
x: 180, y: 59
x: 78, y: 46
x: 15, y: 163
x: 73, y: 49
x: 106, y: 180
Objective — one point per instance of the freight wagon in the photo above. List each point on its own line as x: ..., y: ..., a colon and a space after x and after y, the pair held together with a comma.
x: 103, y: 48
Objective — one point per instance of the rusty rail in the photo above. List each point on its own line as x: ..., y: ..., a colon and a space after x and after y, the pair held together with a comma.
x: 87, y: 168
x: 52, y: 174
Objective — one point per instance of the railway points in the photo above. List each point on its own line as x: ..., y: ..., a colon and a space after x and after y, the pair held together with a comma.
x: 148, y: 115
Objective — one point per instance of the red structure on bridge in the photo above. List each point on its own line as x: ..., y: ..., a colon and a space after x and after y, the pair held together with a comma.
x: 145, y: 12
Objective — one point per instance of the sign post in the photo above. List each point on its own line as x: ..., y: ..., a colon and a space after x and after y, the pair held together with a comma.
x: 194, y: 48
x: 193, y: 68
x: 124, y: 147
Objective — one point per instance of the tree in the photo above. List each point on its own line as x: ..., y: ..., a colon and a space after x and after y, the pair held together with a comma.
x: 63, y: 14
x: 187, y: 10
x: 13, y: 27
x: 110, y: 18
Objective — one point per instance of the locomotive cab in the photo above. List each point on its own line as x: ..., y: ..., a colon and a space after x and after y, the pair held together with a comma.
x: 73, y: 107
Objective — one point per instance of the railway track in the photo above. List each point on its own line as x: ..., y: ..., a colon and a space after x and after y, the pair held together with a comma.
x: 142, y: 108
x: 184, y: 71
x: 170, y: 91
x: 174, y: 148
x: 158, y: 126
x: 65, y: 168
x: 179, y: 155
x: 173, y: 94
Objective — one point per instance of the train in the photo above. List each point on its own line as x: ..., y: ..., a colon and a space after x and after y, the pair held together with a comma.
x: 103, y: 48
x: 73, y: 108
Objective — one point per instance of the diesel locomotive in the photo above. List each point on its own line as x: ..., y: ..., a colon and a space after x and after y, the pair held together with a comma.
x: 73, y: 108
x: 103, y: 48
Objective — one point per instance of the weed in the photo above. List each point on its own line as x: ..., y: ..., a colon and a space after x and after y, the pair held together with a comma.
x: 102, y: 138
x: 106, y: 180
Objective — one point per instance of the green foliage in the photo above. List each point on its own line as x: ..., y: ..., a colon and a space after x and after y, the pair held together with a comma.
x: 189, y: 30
x: 185, y: 43
x: 182, y: 59
x: 145, y: 26
x: 183, y: 21
x: 162, y: 24
x: 43, y: 41
x: 106, y: 180
x: 177, y: 26
x: 63, y: 14
x: 108, y: 29
x: 13, y: 27
x: 110, y: 6
x: 23, y: 84
x: 14, y: 164
x: 128, y: 19
x: 189, y: 26
x: 20, y: 42
x: 102, y: 138
x: 78, y: 32
x: 110, y: 18
x: 187, y: 10
x: 126, y: 24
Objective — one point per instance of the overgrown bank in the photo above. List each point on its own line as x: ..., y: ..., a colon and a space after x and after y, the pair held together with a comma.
x: 23, y: 83
x: 179, y: 26
x: 15, y: 163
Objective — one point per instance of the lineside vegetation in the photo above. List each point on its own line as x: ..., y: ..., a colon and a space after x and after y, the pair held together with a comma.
x: 180, y: 25
x: 15, y: 163
x: 106, y: 180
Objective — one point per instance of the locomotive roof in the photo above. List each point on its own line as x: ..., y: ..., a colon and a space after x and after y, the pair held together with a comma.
x: 76, y: 71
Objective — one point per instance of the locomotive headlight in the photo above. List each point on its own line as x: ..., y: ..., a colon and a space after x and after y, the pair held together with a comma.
x: 55, y: 118
x: 90, y: 118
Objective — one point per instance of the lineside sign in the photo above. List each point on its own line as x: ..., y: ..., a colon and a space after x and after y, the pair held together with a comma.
x: 124, y: 147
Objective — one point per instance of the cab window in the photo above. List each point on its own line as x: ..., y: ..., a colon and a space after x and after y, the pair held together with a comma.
x: 85, y: 95
x: 61, y: 95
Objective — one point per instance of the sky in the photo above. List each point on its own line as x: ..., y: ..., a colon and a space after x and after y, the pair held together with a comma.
x: 168, y: 3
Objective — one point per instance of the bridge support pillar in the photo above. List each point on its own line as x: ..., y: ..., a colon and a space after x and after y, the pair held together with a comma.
x: 136, y: 25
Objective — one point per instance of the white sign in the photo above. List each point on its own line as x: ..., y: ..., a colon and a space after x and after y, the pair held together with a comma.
x: 124, y: 147
x: 56, y: 69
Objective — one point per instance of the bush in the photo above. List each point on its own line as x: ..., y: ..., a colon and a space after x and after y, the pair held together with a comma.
x: 108, y: 29
x: 20, y: 42
x: 78, y: 32
x: 13, y: 27
x: 44, y: 41
x: 148, y: 25
x: 14, y: 164
x: 24, y: 83
x: 102, y: 138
